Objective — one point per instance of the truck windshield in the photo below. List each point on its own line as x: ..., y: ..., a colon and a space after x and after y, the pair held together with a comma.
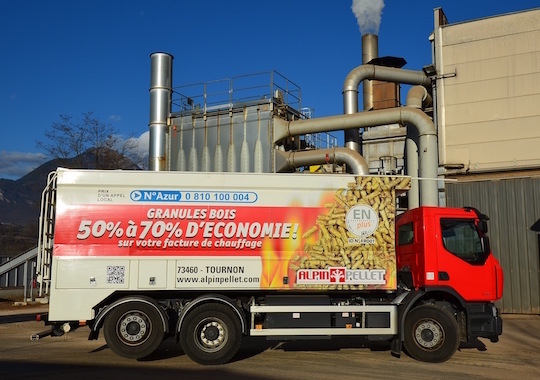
x: 461, y: 238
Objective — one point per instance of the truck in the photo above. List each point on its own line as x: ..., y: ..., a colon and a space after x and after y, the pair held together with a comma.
x: 208, y: 258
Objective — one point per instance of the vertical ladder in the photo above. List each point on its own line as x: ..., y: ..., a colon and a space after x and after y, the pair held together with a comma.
x: 46, y: 235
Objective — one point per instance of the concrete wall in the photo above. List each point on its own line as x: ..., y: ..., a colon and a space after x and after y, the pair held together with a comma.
x: 488, y: 92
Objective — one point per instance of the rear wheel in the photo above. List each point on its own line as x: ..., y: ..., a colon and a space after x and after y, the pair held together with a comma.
x: 431, y: 334
x: 134, y: 329
x: 211, y: 334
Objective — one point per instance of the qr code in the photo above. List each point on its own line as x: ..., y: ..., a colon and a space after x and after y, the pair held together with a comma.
x: 115, y: 274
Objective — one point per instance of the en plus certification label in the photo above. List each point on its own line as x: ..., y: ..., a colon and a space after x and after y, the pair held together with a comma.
x: 362, y: 221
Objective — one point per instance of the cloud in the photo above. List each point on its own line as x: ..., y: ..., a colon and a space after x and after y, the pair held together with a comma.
x: 141, y: 143
x: 138, y: 147
x: 14, y: 165
x: 115, y: 117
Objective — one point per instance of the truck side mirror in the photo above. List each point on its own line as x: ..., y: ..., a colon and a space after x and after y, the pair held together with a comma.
x: 485, y: 245
x: 482, y: 226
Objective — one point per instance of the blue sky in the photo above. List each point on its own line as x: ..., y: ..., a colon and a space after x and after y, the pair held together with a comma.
x: 73, y: 57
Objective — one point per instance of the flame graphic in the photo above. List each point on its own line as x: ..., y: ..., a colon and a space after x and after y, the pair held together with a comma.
x: 277, y: 253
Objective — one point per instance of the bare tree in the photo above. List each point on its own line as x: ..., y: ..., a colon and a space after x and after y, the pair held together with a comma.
x: 131, y: 148
x: 87, y: 142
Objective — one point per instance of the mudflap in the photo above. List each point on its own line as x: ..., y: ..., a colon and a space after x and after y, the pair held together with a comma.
x: 395, y: 347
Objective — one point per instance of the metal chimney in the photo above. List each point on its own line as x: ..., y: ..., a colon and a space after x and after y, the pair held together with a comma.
x: 370, y: 50
x: 160, y: 109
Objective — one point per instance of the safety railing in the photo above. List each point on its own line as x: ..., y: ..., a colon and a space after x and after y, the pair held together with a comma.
x: 224, y: 93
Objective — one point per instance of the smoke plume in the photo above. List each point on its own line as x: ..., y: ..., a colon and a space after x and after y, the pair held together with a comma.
x: 368, y: 14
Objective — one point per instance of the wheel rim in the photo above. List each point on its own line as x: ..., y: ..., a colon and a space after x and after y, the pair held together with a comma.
x: 211, y: 334
x: 428, y: 334
x: 134, y: 328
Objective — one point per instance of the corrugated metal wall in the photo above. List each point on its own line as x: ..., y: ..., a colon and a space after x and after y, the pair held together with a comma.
x: 513, y: 206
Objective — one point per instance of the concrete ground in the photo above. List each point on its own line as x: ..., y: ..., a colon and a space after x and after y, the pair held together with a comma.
x: 515, y: 356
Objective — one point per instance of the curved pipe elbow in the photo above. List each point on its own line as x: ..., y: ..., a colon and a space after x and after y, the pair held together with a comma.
x: 418, y: 97
x: 383, y: 73
x: 357, y: 75
x: 419, y: 120
x: 291, y: 160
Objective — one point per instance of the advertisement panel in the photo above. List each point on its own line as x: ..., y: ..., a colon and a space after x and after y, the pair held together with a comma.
x: 250, y: 236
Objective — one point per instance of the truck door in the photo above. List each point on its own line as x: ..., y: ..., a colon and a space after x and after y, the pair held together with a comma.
x: 464, y: 260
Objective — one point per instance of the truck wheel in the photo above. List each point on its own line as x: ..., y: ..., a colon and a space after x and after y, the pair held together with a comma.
x: 133, y: 330
x: 431, y: 334
x: 211, y: 334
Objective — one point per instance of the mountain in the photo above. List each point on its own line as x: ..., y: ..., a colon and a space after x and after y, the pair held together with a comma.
x: 20, y: 199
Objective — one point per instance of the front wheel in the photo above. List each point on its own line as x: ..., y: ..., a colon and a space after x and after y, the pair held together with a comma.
x: 211, y: 334
x: 431, y: 334
x: 134, y: 329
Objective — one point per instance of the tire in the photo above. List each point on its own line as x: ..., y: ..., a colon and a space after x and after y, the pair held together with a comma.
x: 431, y: 334
x: 211, y: 334
x: 134, y: 330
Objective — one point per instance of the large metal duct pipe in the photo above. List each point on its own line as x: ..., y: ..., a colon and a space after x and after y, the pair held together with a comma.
x: 160, y: 109
x: 419, y: 98
x: 428, y: 160
x: 388, y: 74
x: 288, y: 161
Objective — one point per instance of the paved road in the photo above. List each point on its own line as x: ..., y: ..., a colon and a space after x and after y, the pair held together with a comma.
x: 516, y: 356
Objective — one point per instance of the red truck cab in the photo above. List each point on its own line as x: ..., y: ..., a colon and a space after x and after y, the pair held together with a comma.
x: 444, y: 256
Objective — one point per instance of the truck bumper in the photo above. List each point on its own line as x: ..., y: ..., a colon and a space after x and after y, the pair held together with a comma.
x: 484, y: 321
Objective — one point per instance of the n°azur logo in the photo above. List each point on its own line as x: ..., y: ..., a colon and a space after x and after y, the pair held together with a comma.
x: 136, y: 195
x: 155, y: 195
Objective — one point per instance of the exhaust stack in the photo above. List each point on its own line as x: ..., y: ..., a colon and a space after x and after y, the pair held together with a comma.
x: 370, y: 51
x: 160, y: 109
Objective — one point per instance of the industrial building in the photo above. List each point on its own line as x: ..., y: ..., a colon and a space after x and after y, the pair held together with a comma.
x: 487, y: 91
x: 480, y: 93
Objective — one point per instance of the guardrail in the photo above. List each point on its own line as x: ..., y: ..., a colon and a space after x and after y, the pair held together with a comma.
x: 19, y: 271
